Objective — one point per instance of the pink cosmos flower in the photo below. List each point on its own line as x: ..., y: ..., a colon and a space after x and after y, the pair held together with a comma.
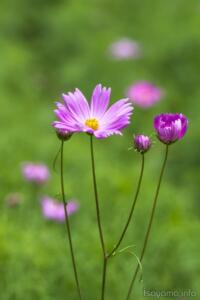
x: 124, y: 49
x: 76, y: 115
x: 54, y: 210
x: 144, y: 94
x: 37, y: 173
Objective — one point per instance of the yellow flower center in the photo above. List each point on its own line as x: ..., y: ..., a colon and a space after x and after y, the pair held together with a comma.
x: 92, y: 123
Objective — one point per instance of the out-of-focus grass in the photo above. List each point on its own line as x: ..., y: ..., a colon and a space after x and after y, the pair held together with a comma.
x: 49, y: 47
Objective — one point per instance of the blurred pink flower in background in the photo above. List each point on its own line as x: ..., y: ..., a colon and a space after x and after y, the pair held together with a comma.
x: 144, y: 94
x: 54, y: 210
x: 38, y: 173
x: 124, y: 49
x: 13, y: 199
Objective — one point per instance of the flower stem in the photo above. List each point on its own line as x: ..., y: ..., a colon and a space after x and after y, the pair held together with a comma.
x: 104, y: 277
x: 150, y: 223
x: 98, y: 219
x: 131, y: 211
x: 67, y: 220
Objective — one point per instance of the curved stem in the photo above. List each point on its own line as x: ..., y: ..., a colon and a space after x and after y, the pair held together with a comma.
x: 131, y: 211
x: 150, y: 223
x: 98, y: 219
x: 67, y: 220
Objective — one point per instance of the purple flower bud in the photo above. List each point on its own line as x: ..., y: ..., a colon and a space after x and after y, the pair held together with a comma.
x: 63, y: 135
x: 170, y: 127
x: 142, y: 143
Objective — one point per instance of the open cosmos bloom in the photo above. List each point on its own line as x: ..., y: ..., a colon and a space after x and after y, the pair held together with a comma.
x: 124, y: 48
x: 144, y: 94
x: 37, y: 173
x: 170, y: 127
x: 142, y: 143
x: 76, y: 115
x: 54, y: 210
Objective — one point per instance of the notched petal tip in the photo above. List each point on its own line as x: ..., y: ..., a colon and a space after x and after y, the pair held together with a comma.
x: 100, y: 88
x: 99, y: 85
x: 64, y: 95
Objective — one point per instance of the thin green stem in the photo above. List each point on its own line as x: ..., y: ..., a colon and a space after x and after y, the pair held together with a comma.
x: 149, y: 225
x: 67, y: 220
x: 98, y: 219
x: 105, y: 261
x: 131, y: 211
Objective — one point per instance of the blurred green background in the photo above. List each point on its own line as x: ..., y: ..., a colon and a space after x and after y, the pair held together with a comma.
x: 49, y: 47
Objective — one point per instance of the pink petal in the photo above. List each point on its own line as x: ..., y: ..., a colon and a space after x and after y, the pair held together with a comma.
x: 118, y: 115
x: 100, y: 134
x: 77, y: 105
x: 99, y: 102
